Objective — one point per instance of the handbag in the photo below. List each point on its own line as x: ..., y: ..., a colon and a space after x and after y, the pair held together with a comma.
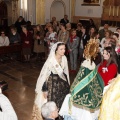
x: 3, y: 85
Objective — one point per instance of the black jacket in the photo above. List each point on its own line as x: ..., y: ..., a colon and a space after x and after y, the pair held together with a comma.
x: 85, y: 38
x: 64, y: 21
x: 49, y: 119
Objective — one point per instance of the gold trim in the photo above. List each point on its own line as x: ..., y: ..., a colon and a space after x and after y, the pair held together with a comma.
x: 40, y: 11
x: 88, y: 82
x: 73, y: 3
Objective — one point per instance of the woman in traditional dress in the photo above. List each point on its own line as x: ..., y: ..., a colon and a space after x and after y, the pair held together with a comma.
x: 108, y: 66
x: 86, y: 90
x: 110, y: 108
x: 53, y: 82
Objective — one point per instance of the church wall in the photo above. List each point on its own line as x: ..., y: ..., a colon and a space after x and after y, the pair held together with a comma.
x: 30, y: 14
x: 48, y: 4
x: 9, y: 13
x: 88, y: 11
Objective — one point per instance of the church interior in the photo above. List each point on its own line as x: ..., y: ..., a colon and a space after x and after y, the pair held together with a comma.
x: 22, y: 76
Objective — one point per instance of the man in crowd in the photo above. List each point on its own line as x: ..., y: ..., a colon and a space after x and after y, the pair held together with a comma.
x: 64, y: 20
x: 102, y: 31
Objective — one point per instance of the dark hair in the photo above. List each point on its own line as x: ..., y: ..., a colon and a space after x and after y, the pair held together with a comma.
x: 112, y: 53
x: 118, y: 28
x: 84, y: 27
x: 94, y: 34
x: 59, y: 44
x: 2, y: 31
x: 65, y: 15
x: 38, y: 33
x: 72, y: 30
x: 91, y: 21
x: 62, y: 24
x: 41, y: 28
x: 13, y: 27
x: 112, y: 44
x: 25, y: 26
x: 52, y: 28
x: 116, y: 34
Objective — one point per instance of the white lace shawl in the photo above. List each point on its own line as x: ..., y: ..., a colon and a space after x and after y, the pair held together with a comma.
x: 87, y: 64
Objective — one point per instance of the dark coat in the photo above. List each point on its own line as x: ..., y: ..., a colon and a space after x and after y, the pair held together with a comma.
x: 25, y: 38
x: 14, y: 38
x: 85, y: 38
x: 64, y: 21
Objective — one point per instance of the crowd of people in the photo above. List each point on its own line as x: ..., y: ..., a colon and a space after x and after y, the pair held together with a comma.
x: 98, y: 52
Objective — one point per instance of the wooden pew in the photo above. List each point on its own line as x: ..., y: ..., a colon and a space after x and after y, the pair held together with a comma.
x: 14, y: 48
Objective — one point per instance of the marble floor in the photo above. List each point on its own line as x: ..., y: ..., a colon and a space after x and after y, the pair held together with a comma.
x: 21, y: 78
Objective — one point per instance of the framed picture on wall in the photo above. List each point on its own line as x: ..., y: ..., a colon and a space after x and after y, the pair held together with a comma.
x: 91, y: 2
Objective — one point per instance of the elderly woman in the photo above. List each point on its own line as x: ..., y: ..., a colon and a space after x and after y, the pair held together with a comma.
x: 14, y: 36
x: 26, y: 38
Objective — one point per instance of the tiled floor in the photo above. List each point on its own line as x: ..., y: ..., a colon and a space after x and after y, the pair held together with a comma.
x: 21, y: 78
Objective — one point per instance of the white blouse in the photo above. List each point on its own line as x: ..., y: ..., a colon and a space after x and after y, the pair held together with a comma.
x: 4, y: 41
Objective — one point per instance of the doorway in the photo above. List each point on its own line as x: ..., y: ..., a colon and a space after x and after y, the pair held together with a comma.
x: 57, y: 10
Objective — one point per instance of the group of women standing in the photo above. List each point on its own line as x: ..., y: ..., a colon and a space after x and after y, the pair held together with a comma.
x: 86, y: 93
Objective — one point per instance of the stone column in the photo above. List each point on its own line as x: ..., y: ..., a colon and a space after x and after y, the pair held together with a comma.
x: 73, y: 2
x: 40, y: 11
x: 14, y: 10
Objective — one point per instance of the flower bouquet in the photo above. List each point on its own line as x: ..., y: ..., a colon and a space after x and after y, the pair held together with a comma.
x: 117, y: 49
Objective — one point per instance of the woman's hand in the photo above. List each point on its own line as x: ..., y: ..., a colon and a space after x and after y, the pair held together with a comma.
x: 45, y: 94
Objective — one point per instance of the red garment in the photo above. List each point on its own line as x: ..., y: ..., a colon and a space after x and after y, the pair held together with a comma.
x: 72, y: 38
x: 29, y: 38
x: 110, y: 73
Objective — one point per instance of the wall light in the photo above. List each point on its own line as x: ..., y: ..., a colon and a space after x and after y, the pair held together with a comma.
x: 25, y: 4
